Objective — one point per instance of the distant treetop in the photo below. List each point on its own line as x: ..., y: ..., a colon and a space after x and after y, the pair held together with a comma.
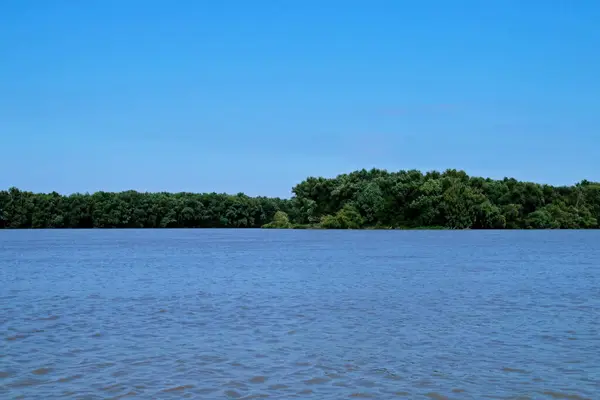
x: 362, y: 199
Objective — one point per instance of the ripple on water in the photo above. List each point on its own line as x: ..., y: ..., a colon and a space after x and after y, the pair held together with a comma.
x: 113, y: 388
x: 309, y: 315
x: 437, y: 396
x: 516, y: 370
x: 69, y: 378
x: 41, y: 371
x: 316, y: 381
x: 178, y: 388
x: 233, y: 394
x: 25, y: 383
x: 258, y: 379
x: 16, y: 337
x: 563, y: 395
x: 49, y: 318
x: 279, y: 386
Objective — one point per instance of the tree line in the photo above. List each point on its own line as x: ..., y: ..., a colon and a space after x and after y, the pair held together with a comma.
x: 362, y: 199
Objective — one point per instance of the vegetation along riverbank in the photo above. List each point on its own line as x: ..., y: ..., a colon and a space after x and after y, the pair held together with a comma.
x: 358, y: 200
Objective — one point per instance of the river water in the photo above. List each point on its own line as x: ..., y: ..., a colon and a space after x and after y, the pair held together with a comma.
x: 210, y: 314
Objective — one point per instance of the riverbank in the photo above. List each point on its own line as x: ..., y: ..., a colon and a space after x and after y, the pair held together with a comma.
x: 374, y: 199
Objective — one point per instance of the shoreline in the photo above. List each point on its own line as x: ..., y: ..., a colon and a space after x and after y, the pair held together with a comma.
x: 364, y: 199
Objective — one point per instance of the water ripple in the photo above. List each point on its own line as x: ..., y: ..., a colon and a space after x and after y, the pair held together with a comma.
x: 302, y: 314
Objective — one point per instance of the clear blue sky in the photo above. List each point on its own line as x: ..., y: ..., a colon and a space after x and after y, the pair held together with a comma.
x: 254, y: 96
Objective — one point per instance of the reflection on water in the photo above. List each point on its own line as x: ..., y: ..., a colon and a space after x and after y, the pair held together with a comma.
x: 247, y: 314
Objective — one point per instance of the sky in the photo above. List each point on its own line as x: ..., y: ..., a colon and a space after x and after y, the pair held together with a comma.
x: 255, y: 96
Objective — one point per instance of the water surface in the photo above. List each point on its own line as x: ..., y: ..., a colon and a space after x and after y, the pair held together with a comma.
x: 299, y: 314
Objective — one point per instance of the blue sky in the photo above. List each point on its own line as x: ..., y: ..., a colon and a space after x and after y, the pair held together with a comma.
x: 254, y: 96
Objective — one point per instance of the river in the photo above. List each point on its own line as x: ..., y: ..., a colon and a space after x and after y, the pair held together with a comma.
x: 309, y: 314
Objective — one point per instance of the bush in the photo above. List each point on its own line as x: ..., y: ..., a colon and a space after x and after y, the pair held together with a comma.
x: 280, y: 221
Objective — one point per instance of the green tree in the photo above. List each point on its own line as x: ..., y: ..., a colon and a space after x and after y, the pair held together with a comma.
x: 541, y: 219
x: 460, y: 205
x: 280, y: 221
x: 359, y: 199
x: 346, y: 218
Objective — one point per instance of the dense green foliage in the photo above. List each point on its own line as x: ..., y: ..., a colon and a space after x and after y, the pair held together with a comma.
x: 362, y: 199
x: 281, y: 220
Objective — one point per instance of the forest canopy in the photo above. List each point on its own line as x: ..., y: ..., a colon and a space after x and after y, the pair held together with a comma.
x: 361, y: 199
